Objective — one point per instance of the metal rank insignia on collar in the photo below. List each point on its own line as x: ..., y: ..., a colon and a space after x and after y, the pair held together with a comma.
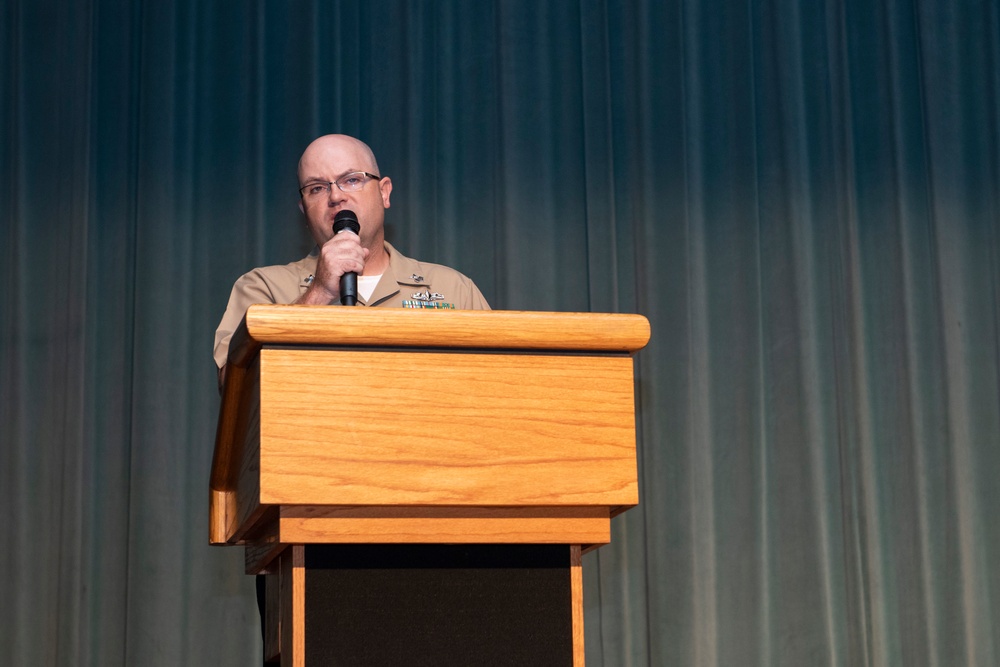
x: 427, y: 299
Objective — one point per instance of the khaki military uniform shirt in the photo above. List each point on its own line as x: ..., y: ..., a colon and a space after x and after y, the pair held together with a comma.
x: 405, y: 283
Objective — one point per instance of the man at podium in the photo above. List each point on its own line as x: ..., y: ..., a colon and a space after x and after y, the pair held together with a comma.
x: 453, y: 534
x: 338, y: 174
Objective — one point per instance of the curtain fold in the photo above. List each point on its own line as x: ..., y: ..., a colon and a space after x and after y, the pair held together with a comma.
x: 803, y: 198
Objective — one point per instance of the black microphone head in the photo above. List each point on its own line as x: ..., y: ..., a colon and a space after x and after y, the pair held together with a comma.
x: 346, y: 220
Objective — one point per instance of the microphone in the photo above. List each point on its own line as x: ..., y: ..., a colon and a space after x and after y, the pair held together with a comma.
x: 346, y: 221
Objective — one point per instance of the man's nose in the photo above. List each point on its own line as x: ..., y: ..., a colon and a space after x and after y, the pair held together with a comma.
x: 336, y: 195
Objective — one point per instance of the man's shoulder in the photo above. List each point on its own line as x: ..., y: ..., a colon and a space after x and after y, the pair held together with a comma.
x: 435, y: 282
x: 276, y: 283
x: 296, y: 271
x: 408, y: 267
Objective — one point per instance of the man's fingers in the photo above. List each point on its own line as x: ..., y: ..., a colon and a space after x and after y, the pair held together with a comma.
x: 341, y: 254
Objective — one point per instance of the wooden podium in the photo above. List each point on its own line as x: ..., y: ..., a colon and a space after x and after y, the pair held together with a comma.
x: 437, y: 471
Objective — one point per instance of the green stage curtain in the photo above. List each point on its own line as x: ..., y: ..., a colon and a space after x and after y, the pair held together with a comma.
x: 802, y: 197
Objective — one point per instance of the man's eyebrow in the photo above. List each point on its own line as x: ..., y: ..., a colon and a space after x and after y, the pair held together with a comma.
x: 317, y: 179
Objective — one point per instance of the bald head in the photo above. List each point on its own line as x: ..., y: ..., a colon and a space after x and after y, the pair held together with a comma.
x: 340, y: 145
x: 328, y: 159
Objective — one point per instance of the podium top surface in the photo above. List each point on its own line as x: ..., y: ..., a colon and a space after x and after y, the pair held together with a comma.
x: 479, y: 329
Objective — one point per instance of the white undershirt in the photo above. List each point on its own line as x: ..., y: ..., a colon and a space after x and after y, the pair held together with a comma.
x: 366, y: 285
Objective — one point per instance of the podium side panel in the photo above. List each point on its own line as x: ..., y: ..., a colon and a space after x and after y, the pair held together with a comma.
x: 248, y: 507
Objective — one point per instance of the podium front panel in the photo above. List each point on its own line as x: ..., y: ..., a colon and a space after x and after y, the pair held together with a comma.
x: 391, y: 428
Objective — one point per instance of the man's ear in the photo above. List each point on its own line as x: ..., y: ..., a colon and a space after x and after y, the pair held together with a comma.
x: 301, y: 207
x: 385, y: 187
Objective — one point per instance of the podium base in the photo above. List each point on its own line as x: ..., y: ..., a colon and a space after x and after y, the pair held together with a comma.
x: 433, y: 604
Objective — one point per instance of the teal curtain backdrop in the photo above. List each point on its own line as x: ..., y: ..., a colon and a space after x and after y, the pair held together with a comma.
x: 802, y: 197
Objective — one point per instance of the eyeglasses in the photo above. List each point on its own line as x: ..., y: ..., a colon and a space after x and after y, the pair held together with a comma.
x: 351, y: 182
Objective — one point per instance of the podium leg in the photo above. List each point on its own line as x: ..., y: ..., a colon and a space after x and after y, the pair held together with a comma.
x: 576, y: 597
x: 292, y: 607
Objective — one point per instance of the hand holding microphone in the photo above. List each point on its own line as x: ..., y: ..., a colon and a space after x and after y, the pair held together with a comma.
x: 347, y: 221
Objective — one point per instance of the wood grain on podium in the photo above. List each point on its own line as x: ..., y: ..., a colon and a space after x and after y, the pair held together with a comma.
x: 447, y: 409
x: 445, y: 429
